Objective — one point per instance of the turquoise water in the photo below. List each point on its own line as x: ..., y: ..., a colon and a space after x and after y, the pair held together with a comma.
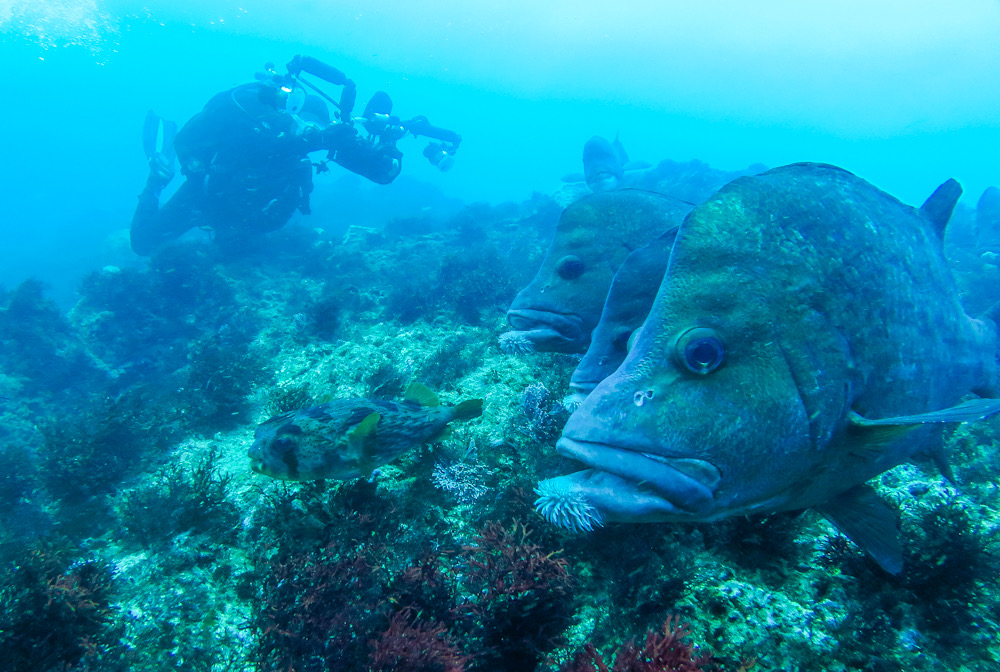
x: 131, y: 387
x: 899, y: 93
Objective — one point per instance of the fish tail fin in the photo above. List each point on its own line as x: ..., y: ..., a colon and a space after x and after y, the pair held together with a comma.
x: 468, y: 409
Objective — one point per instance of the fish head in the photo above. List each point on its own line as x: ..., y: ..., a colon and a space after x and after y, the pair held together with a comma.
x: 561, y: 306
x: 629, y: 300
x: 302, y: 446
x: 679, y: 429
x: 603, y: 164
x: 275, y: 449
x: 717, y: 408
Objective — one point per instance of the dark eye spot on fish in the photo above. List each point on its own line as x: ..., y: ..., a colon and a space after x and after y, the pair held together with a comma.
x: 570, y: 267
x: 700, y: 350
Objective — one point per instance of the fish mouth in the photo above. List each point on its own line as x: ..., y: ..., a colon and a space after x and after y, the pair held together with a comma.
x: 602, y: 179
x: 543, y: 330
x: 682, y: 487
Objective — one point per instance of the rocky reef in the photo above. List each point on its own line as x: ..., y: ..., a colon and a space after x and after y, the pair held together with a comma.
x: 136, y: 537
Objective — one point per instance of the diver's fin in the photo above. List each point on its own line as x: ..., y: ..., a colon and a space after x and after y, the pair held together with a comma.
x: 158, y: 137
x: 573, y: 178
x: 167, y: 141
x: 421, y: 395
x: 361, y: 442
x: 939, y: 205
x: 468, y: 409
x: 975, y: 409
x: 870, y: 523
x: 150, y: 129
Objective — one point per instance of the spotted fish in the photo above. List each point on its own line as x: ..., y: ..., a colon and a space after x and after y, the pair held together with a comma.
x: 348, y: 438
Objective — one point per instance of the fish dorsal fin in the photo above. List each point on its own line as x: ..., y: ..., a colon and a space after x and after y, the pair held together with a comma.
x: 361, y: 443
x: 870, y: 523
x: 278, y: 419
x: 939, y: 205
x: 421, y: 394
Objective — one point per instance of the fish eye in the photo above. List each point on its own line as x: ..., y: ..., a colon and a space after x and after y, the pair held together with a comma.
x: 620, y: 339
x: 570, y: 267
x: 631, y: 339
x: 700, y: 350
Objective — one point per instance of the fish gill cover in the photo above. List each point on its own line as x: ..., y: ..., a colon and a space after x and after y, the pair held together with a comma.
x: 136, y: 535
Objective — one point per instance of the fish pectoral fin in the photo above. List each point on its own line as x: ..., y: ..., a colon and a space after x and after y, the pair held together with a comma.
x: 637, y: 165
x: 421, y: 395
x: 573, y: 177
x: 444, y: 434
x: 874, y: 435
x: 975, y: 409
x: 870, y: 523
x: 361, y: 440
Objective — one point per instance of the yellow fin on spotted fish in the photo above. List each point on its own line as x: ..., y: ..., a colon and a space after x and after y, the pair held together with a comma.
x: 361, y: 441
x: 421, y: 394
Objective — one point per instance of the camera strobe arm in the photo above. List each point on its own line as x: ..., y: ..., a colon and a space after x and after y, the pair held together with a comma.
x: 316, y: 67
x: 420, y: 126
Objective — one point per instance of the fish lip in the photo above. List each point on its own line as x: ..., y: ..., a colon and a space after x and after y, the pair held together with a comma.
x: 686, y: 493
x: 546, y: 325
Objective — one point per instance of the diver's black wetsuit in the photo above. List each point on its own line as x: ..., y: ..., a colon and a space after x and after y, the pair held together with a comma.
x: 247, y: 168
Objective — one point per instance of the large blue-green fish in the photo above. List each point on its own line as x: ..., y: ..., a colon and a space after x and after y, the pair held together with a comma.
x: 561, y: 306
x: 348, y: 438
x: 629, y: 300
x: 604, y: 165
x: 807, y: 336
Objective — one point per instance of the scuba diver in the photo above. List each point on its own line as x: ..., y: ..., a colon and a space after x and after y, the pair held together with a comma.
x: 245, y: 156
